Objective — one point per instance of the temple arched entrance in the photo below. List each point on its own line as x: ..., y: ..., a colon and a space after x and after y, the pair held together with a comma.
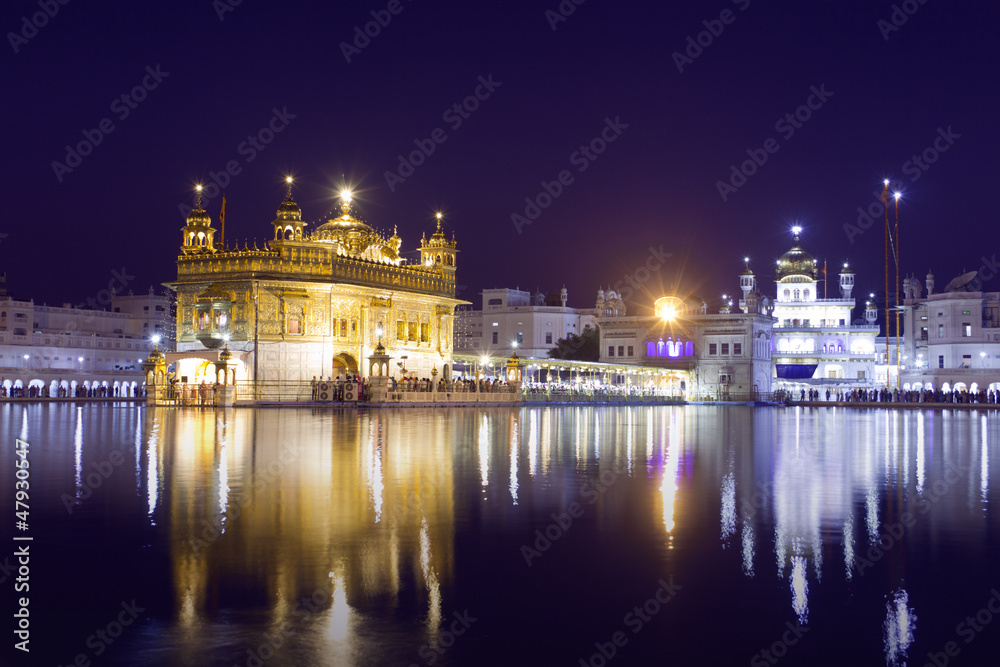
x: 344, y: 364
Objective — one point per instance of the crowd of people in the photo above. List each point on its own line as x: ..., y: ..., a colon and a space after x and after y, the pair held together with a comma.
x: 591, y: 389
x: 408, y: 383
x: 80, y: 391
x: 895, y: 396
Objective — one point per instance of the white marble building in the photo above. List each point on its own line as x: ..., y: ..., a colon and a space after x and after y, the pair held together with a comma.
x: 66, y: 346
x: 512, y: 318
x: 705, y: 356
x: 953, y: 336
x: 816, y: 346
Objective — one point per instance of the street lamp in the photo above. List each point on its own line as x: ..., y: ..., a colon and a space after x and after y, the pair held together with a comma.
x: 982, y: 355
x: 26, y: 364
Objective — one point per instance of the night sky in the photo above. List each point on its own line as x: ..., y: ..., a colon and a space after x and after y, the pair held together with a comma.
x: 680, y: 115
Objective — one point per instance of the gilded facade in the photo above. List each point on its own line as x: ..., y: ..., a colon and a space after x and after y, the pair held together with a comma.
x: 313, y: 304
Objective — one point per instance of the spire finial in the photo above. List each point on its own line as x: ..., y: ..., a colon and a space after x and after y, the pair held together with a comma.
x: 198, y: 188
x: 288, y: 183
x: 438, y: 216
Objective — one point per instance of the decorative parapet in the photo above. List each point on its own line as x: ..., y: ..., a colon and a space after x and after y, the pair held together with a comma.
x: 313, y: 264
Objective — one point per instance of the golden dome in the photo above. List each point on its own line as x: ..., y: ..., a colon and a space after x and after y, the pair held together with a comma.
x: 335, y: 228
x: 199, y: 216
x: 289, y: 210
x: 796, y: 262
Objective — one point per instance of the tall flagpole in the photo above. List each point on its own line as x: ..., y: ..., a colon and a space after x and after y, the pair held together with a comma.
x: 896, y: 248
x: 885, y: 201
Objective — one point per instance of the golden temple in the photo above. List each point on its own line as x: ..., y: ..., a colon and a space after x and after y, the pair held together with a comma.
x: 312, y: 304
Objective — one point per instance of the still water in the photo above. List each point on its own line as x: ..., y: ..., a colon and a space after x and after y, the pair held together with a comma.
x: 535, y: 536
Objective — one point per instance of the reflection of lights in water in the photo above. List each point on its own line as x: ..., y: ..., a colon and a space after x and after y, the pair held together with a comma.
x: 800, y: 589
x: 728, y: 511
x: 430, y: 578
x: 576, y: 442
x: 533, y: 444
x: 24, y: 422
x: 375, y: 470
x: 817, y: 553
x: 547, y: 442
x: 779, y: 551
x: 484, y: 450
x: 871, y: 513
x: 748, y: 548
x: 886, y: 450
x: 78, y: 451
x: 597, y: 438
x: 138, y: 451
x: 152, y: 475
x: 906, y: 451
x: 798, y: 424
x: 187, y: 615
x: 223, y: 480
x: 340, y: 611
x: 628, y: 442
x: 900, y: 622
x: 649, y: 443
x: 513, y: 461
x: 849, y: 545
x: 920, y: 453
x: 985, y: 461
x: 668, y: 489
x: 394, y: 559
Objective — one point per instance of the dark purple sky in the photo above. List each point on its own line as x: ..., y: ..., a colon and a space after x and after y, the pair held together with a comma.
x: 888, y: 95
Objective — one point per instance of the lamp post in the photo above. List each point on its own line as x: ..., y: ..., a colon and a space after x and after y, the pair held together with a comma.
x: 485, y: 360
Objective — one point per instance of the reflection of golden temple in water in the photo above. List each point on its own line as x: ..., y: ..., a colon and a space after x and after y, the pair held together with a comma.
x: 356, y: 518
x: 378, y: 513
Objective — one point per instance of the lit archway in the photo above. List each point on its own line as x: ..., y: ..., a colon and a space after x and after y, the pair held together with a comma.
x: 344, y: 363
